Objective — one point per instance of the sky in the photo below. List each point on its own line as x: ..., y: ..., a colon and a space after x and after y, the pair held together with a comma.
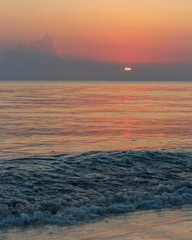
x: 114, y: 31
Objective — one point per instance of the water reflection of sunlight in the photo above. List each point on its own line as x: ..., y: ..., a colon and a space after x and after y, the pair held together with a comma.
x: 67, y: 117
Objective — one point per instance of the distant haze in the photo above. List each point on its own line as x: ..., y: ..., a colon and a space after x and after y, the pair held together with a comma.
x: 39, y: 61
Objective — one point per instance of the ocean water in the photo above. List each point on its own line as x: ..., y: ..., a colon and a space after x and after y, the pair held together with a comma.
x: 72, y: 152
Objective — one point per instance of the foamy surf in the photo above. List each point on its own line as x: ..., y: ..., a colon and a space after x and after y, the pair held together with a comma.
x: 172, y: 224
x: 66, y: 189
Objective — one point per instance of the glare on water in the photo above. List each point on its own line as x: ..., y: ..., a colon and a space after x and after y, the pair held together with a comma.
x: 44, y: 117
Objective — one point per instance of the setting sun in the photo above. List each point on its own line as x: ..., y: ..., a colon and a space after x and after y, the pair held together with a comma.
x: 127, y: 69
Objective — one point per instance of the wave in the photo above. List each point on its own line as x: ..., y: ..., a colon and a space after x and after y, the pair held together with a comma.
x: 68, y: 188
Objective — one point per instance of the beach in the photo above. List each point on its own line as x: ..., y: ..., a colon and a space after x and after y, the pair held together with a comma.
x: 164, y: 224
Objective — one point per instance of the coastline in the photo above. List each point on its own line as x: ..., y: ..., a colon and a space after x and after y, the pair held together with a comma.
x: 174, y: 223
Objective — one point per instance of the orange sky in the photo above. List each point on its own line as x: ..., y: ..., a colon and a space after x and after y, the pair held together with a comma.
x: 141, y: 31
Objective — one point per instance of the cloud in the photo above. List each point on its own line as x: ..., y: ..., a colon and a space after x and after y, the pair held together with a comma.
x: 44, y: 45
x: 38, y: 61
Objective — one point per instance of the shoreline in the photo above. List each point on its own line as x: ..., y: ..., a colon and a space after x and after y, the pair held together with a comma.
x: 174, y: 223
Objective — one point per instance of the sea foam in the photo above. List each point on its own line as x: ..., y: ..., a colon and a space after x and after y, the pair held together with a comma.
x: 66, y: 189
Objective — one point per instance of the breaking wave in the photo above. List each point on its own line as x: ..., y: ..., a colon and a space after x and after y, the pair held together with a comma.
x: 68, y: 188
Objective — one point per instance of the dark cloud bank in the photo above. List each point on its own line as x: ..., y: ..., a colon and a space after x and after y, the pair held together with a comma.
x: 38, y: 61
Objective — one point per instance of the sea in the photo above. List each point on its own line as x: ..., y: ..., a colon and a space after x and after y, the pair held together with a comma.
x: 73, y: 152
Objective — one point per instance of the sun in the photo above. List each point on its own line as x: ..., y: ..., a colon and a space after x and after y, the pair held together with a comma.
x: 127, y: 69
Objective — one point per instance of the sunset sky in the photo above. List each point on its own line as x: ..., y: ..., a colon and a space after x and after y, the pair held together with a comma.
x: 137, y: 31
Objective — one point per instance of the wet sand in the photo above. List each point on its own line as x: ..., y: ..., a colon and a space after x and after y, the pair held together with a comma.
x: 164, y: 224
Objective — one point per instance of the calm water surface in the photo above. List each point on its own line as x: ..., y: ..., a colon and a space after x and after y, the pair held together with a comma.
x: 43, y: 117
